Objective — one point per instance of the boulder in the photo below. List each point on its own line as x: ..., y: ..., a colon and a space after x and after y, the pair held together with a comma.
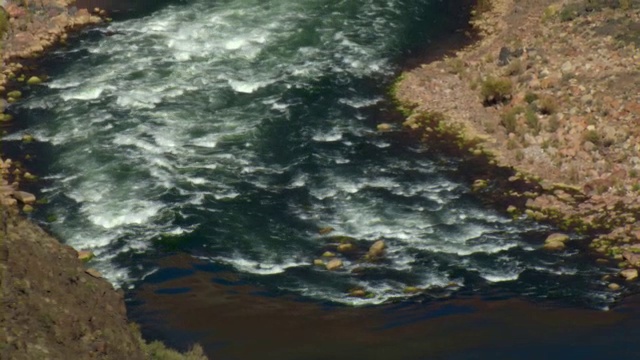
x: 27, y: 209
x: 613, y: 286
x: 384, y: 127
x: 631, y: 258
x: 334, y: 264
x: 629, y: 274
x: 24, y: 197
x: 328, y: 254
x: 14, y: 94
x: 93, y: 272
x: 556, y: 241
x: 557, y: 237
x: 479, y: 184
x: 34, y: 80
x: 85, y: 255
x: 318, y: 262
x: 377, y: 249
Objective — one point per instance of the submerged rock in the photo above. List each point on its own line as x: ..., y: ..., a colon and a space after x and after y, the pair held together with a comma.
x: 325, y: 230
x: 344, y: 248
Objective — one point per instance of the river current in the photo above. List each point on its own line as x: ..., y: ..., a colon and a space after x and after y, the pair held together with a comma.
x: 235, y: 130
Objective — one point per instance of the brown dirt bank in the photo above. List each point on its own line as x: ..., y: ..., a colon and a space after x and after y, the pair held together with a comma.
x: 550, y: 93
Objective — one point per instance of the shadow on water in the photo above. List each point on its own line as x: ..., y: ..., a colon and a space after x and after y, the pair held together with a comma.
x: 190, y: 301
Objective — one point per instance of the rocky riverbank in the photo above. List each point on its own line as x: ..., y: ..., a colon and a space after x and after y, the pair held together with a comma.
x: 548, y: 98
x: 52, y: 306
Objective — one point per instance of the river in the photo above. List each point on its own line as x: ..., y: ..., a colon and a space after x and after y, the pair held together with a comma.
x: 232, y: 132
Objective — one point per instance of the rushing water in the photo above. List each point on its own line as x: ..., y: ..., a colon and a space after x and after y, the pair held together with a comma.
x: 234, y: 130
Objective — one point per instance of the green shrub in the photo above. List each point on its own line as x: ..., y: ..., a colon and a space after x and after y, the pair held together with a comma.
x: 514, y: 68
x: 530, y: 97
x: 593, y: 137
x: 547, y: 105
x: 156, y: 350
x: 532, y: 120
x: 496, y: 90
x: 454, y: 65
x: 509, y: 119
x: 4, y: 22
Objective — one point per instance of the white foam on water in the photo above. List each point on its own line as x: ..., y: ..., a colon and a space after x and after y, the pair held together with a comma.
x: 331, y: 136
x: 497, y: 277
x: 247, y: 87
x: 127, y: 213
x: 90, y: 93
x: 258, y: 267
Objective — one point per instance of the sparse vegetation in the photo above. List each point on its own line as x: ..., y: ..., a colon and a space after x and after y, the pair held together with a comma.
x: 593, y: 137
x: 509, y: 119
x: 454, y: 65
x: 156, y: 350
x: 533, y: 122
x: 514, y: 68
x: 547, y: 105
x: 496, y: 90
x: 530, y: 97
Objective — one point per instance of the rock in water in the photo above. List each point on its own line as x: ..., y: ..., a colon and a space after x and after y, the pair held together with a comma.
x: 334, y: 264
x: 629, y: 274
x: 377, y: 249
x: 384, y: 127
x: 34, y: 80
x: 343, y: 248
x: 85, y: 255
x: 556, y: 241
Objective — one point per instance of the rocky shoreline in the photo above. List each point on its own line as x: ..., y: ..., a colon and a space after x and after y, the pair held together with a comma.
x: 546, y: 103
x: 51, y: 305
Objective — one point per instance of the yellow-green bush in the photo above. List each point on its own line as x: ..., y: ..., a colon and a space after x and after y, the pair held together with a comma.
x: 496, y: 90
x: 4, y: 22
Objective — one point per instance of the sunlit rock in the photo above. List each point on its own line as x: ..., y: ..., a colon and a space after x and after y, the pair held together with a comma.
x: 334, y: 264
